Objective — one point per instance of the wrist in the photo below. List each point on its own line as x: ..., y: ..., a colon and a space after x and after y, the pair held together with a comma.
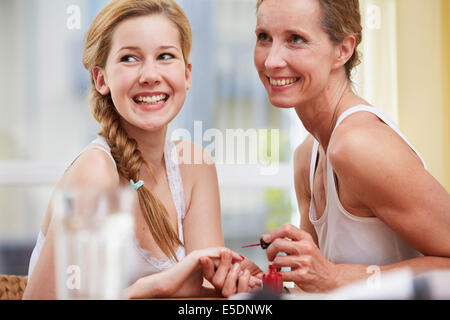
x: 193, y: 259
x: 345, y: 274
x: 336, y: 275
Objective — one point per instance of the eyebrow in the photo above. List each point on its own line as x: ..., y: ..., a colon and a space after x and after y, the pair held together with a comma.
x: 169, y: 47
x: 165, y: 47
x: 259, y: 29
x: 301, y: 31
x: 127, y: 48
x: 288, y: 31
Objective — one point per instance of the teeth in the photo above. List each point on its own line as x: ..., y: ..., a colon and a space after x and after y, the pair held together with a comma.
x: 282, y: 82
x: 151, y: 100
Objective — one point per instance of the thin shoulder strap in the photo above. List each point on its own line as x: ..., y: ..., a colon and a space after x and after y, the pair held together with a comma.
x: 312, y: 169
x: 175, y: 183
x: 101, y: 144
x: 97, y: 144
x: 384, y: 117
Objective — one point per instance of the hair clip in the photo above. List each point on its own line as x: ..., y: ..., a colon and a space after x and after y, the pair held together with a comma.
x: 136, y: 185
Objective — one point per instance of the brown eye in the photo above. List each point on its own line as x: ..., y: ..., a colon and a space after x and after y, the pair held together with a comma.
x: 296, y: 39
x: 166, y: 56
x: 262, y: 37
x: 128, y: 58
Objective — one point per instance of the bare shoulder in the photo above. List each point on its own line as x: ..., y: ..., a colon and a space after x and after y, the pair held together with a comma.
x: 372, y: 161
x: 380, y: 170
x: 196, y: 165
x: 364, y: 141
x: 190, y: 154
x: 304, y: 150
x: 302, y: 162
x: 92, y: 168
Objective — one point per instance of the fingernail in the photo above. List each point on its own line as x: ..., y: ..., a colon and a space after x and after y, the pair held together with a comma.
x: 243, y: 258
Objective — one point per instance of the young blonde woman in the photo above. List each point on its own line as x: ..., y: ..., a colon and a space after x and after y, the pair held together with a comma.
x: 364, y: 194
x: 137, y: 53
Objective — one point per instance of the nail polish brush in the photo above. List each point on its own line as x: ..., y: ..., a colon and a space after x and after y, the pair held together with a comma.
x: 264, y: 245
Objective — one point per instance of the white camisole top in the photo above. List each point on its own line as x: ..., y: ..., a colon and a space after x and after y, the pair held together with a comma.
x: 348, y: 239
x: 140, y: 262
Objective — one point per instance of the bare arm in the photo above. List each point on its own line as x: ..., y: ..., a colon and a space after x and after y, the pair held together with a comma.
x: 202, y: 224
x: 393, y: 183
x: 390, y: 180
x: 302, y: 161
x: 93, y: 168
x: 203, y: 229
x: 170, y: 282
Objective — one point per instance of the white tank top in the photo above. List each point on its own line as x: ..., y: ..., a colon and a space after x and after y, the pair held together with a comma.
x: 141, y: 262
x: 345, y: 238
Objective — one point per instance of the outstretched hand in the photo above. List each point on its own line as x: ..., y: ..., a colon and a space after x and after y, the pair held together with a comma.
x: 230, y: 276
x: 184, y: 279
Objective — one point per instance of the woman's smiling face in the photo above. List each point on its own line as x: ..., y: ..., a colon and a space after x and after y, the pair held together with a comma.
x: 145, y: 72
x: 293, y: 54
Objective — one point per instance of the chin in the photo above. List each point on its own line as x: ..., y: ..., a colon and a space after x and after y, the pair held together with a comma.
x: 154, y: 127
x: 156, y: 122
x: 281, y: 104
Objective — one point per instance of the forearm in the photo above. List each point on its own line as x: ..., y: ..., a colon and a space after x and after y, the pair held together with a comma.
x: 421, y: 264
x: 39, y: 290
x: 179, y: 280
x: 143, y: 288
x: 348, y: 273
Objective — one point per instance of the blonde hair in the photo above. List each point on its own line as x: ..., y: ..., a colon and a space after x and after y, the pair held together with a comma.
x: 124, y: 149
x: 341, y: 19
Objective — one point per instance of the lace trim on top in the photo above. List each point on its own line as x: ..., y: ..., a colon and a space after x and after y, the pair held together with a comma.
x: 176, y: 188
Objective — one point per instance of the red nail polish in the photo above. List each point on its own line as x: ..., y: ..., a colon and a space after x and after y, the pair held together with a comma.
x: 264, y: 245
x: 273, y: 280
x: 242, y: 257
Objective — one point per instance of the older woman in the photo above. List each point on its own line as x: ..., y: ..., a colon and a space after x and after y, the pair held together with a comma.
x: 364, y: 193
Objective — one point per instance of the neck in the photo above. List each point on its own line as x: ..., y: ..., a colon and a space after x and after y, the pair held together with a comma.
x: 150, y: 144
x: 319, y: 115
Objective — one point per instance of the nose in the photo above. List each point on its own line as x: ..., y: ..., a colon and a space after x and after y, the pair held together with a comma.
x: 149, y: 74
x: 275, y: 59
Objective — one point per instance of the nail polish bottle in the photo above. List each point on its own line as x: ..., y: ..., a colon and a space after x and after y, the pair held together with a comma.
x: 273, y: 280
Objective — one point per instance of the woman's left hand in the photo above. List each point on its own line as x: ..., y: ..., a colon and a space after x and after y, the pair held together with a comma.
x: 228, y: 278
x: 309, y: 268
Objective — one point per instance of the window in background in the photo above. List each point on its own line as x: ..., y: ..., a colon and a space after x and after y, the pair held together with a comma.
x: 227, y: 95
x: 376, y: 78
